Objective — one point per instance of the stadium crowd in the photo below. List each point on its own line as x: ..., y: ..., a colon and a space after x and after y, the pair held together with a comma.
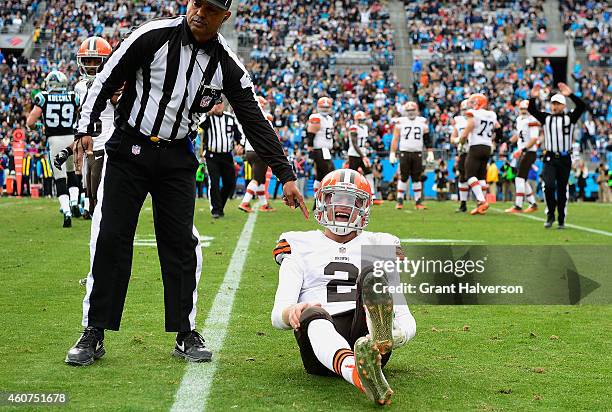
x: 589, y: 23
x: 293, y: 50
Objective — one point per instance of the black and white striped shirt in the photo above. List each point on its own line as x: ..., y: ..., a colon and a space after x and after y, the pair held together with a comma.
x: 220, y: 132
x: 558, y: 128
x: 162, y: 68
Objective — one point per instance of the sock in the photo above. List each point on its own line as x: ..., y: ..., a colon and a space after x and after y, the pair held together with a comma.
x: 416, y: 188
x: 464, y: 191
x: 519, y: 182
x: 250, y: 191
x: 331, y: 349
x: 484, y: 185
x: 74, y: 195
x: 261, y: 194
x: 370, y: 179
x: 529, y: 194
x: 402, y: 187
x: 64, y: 202
x: 476, y: 188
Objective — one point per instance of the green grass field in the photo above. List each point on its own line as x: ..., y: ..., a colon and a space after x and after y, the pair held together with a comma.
x: 509, y: 357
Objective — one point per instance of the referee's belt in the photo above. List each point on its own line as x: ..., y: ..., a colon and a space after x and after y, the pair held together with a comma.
x: 556, y: 154
x: 152, y: 140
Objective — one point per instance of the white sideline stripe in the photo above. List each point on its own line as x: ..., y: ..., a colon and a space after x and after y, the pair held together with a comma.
x: 539, y: 219
x: 193, y: 392
x: 423, y: 240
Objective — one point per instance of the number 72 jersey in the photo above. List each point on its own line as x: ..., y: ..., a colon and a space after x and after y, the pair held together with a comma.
x: 59, y: 111
x: 315, y: 268
x: 411, y: 133
x: 485, y: 122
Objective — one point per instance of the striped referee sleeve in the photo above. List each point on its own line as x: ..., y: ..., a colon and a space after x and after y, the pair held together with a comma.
x: 238, y: 88
x: 122, y: 65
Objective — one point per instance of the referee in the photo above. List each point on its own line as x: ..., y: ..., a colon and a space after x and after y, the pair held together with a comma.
x: 558, y: 138
x: 220, y: 131
x: 174, y: 70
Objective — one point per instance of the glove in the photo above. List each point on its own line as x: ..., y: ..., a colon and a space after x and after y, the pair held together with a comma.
x: 392, y: 158
x: 430, y: 157
x: 61, y: 158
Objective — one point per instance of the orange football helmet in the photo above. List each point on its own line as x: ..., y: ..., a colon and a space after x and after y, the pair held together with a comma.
x: 324, y: 105
x: 478, y: 101
x: 343, y: 201
x: 92, y: 53
x: 360, y: 117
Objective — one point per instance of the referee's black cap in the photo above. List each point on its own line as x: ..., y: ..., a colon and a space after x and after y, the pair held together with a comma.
x: 222, y: 4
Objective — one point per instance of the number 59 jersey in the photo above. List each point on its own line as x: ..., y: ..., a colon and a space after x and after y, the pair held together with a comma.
x: 59, y: 111
x: 484, y: 126
x: 316, y: 269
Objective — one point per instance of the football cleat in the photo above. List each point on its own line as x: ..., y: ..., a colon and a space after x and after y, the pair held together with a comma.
x: 419, y: 205
x: 481, y: 209
x: 266, y: 208
x: 514, y: 209
x: 86, y: 215
x: 549, y: 223
x: 76, y: 211
x: 532, y: 208
x: 67, y: 220
x: 399, y: 206
x: 462, y: 208
x: 192, y: 348
x: 379, y: 310
x: 378, y: 201
x: 88, y: 348
x: 368, y: 362
x: 245, y: 207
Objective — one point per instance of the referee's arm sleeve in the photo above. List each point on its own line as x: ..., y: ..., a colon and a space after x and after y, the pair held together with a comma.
x: 237, y: 133
x: 238, y: 89
x: 578, y: 110
x: 123, y: 62
x: 533, y: 110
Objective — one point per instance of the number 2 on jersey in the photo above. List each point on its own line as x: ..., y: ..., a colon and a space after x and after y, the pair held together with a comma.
x: 334, y: 290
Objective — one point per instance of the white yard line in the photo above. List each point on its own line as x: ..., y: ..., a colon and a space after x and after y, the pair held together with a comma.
x: 539, y: 219
x: 195, y: 387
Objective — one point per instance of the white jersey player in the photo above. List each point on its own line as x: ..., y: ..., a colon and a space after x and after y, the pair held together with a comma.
x: 323, y: 290
x: 320, y: 139
x: 481, y: 127
x: 259, y: 168
x: 411, y: 133
x: 459, y: 124
x: 526, y: 138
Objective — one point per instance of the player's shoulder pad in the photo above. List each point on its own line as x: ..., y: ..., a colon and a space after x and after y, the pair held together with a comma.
x: 533, y: 121
x: 469, y: 113
x: 291, y: 243
x: 314, y: 118
x: 39, y: 99
x: 353, y: 127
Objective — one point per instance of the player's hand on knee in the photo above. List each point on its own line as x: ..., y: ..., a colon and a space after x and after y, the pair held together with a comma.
x: 295, y: 312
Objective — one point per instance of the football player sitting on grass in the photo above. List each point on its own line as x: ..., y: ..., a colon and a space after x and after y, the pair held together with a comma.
x: 344, y: 320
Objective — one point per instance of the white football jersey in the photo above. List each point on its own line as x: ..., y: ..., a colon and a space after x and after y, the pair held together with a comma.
x: 527, y: 128
x: 484, y: 127
x: 411, y: 133
x: 324, y: 138
x: 317, y: 269
x: 460, y: 124
x: 107, y: 117
x: 362, y: 138
x: 247, y: 144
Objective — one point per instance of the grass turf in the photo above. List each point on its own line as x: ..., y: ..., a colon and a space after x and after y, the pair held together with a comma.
x: 510, y: 357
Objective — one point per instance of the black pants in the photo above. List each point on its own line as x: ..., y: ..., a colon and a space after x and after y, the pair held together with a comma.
x: 134, y: 168
x: 95, y: 161
x: 220, y: 166
x: 555, y: 176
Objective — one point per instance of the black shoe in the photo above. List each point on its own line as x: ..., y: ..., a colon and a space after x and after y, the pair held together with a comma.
x: 549, y: 223
x: 191, y: 347
x: 67, y: 221
x: 561, y: 224
x: 86, y: 215
x: 76, y: 211
x: 88, y: 348
x: 462, y: 208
